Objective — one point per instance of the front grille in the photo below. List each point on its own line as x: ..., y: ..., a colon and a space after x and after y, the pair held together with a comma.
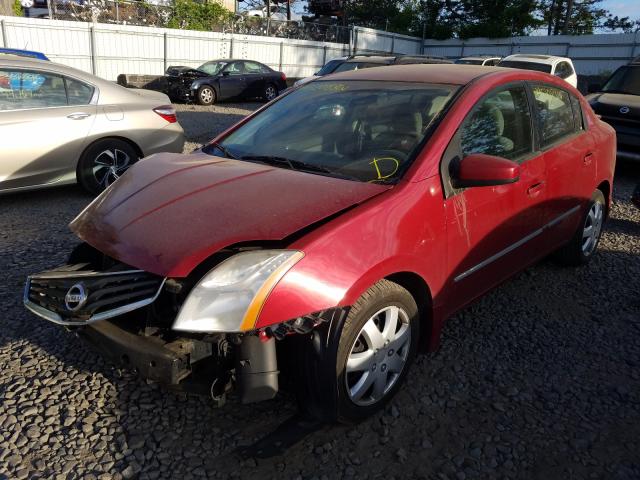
x: 70, y: 295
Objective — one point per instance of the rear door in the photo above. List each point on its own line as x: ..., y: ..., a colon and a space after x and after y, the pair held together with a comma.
x: 255, y: 76
x: 494, y: 231
x: 44, y: 121
x: 569, y: 155
x: 233, y: 82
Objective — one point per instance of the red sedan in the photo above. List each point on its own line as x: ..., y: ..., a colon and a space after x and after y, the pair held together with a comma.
x: 329, y: 235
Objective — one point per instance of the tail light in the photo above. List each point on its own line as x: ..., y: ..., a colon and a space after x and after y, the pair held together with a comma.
x: 284, y: 77
x: 167, y: 112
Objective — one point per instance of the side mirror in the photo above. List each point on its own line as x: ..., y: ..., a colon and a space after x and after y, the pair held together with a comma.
x: 226, y: 74
x: 594, y: 88
x: 480, y: 170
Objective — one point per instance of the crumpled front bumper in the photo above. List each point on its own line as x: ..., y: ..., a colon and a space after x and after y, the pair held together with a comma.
x: 152, y: 360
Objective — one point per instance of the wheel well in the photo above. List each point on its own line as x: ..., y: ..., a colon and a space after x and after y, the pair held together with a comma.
x: 420, y: 291
x: 605, y: 188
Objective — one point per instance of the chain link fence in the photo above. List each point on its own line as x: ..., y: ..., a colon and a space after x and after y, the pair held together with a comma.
x: 161, y: 13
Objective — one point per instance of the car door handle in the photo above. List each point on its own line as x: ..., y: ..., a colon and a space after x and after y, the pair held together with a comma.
x: 78, y: 116
x: 535, y: 189
x: 588, y: 158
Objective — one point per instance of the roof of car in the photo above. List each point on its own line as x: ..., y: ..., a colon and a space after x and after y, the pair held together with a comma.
x: 446, y: 73
x: 535, y: 58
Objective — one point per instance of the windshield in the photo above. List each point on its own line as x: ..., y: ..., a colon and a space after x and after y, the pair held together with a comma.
x: 348, y: 66
x: 212, y: 68
x: 329, y: 67
x: 466, y: 61
x: 538, y: 67
x: 360, y: 130
x: 624, y: 80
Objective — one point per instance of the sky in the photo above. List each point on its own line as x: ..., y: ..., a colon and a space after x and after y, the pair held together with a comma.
x: 623, y: 8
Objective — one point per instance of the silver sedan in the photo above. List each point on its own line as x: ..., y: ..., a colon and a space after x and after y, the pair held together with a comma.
x: 59, y: 125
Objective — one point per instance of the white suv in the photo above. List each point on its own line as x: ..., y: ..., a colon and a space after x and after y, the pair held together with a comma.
x: 559, y: 66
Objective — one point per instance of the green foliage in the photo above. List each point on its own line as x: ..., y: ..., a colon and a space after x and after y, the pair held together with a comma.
x: 17, y: 8
x: 444, y: 19
x: 191, y: 15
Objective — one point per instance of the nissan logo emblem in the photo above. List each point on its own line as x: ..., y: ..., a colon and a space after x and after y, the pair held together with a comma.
x: 75, y: 298
x: 624, y: 109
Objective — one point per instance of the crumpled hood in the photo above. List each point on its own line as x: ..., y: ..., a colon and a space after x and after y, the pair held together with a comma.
x: 170, y: 212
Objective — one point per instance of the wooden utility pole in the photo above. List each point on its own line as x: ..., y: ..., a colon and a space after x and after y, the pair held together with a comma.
x: 288, y: 9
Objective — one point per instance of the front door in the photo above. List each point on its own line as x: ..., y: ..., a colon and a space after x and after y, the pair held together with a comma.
x: 44, y: 122
x: 494, y: 231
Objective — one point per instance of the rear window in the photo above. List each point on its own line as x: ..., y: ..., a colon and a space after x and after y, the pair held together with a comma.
x: 347, y: 67
x: 625, y: 80
x: 329, y: 67
x: 466, y: 61
x: 538, y: 67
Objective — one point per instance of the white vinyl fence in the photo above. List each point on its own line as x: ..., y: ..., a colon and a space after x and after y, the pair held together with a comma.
x: 109, y: 50
x: 591, y: 54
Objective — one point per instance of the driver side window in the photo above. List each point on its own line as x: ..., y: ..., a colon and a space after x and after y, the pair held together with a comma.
x: 499, y: 125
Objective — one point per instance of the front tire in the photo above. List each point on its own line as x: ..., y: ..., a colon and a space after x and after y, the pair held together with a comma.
x: 585, y: 241
x: 367, y: 356
x: 104, y: 162
x: 206, y: 95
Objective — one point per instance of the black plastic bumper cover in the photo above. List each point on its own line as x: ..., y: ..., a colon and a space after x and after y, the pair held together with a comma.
x: 152, y: 360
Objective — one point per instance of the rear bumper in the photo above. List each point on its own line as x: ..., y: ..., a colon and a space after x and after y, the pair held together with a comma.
x: 152, y: 360
x: 168, y: 139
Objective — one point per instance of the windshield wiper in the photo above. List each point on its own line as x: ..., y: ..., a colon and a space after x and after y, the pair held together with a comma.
x: 296, y: 165
x: 224, y: 150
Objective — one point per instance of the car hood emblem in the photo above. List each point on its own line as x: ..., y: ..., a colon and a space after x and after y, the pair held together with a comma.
x: 75, y: 298
x: 624, y: 109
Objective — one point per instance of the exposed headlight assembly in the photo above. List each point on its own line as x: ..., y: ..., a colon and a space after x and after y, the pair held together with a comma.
x: 230, y: 297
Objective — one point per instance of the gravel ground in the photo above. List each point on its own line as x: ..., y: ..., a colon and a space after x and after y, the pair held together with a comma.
x: 538, y: 380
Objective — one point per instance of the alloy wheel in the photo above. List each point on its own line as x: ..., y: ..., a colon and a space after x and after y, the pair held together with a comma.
x: 592, y: 227
x: 206, y: 95
x: 270, y: 92
x: 109, y: 165
x: 378, y: 356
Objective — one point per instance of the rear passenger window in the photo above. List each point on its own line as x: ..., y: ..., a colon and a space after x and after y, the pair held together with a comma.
x: 555, y: 113
x: 78, y: 93
x: 578, y: 119
x: 499, y: 125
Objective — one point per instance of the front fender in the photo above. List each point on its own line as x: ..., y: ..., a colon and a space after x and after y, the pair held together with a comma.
x: 343, y: 258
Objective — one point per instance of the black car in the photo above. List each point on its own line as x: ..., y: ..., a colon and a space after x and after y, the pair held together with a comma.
x: 618, y: 103
x: 635, y: 198
x: 224, y: 79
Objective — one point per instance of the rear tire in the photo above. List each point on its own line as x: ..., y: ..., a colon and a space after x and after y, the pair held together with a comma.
x: 585, y: 241
x: 206, y: 95
x: 270, y: 92
x: 352, y: 369
x: 104, y: 162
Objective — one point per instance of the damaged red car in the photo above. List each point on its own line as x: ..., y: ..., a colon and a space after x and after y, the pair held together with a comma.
x: 321, y: 243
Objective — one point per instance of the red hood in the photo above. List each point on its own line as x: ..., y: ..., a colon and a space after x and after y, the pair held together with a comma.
x: 170, y: 212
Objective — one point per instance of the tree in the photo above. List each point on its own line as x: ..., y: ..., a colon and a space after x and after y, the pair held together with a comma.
x: 580, y: 17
